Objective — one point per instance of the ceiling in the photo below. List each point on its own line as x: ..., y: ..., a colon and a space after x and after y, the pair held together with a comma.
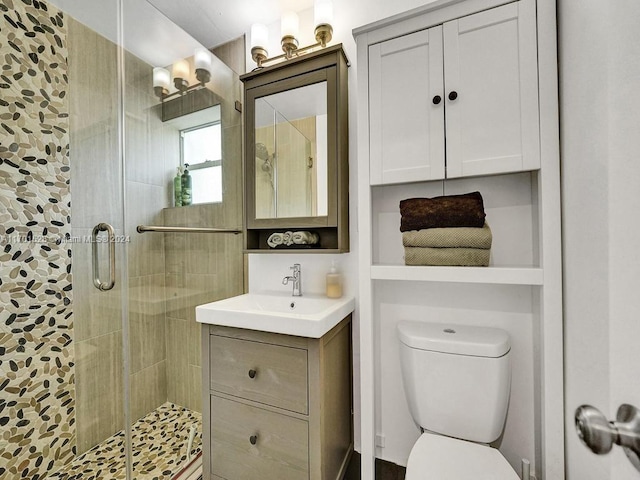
x: 213, y: 22
x: 163, y: 31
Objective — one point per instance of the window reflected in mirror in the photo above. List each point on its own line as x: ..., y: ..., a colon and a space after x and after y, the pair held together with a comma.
x: 291, y: 153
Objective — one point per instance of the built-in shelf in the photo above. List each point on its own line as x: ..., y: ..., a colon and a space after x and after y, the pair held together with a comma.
x: 496, y: 275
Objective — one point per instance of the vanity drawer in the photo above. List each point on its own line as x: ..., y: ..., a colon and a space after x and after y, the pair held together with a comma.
x: 271, y: 374
x: 252, y: 443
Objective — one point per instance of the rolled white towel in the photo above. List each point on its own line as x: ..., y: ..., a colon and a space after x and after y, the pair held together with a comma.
x: 287, y: 238
x: 305, y: 238
x: 275, y: 239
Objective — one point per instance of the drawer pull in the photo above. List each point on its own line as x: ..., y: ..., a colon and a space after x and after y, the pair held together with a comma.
x: 252, y: 373
x: 253, y: 439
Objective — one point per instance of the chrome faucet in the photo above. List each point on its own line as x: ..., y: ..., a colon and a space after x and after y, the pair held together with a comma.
x: 296, y: 278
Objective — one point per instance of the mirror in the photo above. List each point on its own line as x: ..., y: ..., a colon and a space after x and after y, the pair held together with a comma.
x: 291, y: 153
x: 296, y: 150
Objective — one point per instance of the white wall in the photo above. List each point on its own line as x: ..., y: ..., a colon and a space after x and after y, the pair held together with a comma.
x: 600, y: 117
x: 266, y: 271
x: 508, y: 307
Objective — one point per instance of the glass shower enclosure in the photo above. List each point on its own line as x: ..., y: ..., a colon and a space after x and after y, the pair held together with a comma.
x: 100, y: 271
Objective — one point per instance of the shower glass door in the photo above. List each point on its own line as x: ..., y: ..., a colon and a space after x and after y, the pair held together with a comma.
x: 63, y: 274
x: 170, y: 273
x: 100, y: 369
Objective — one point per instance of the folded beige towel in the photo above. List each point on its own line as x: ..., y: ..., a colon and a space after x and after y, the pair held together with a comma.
x: 449, y: 237
x: 458, y: 257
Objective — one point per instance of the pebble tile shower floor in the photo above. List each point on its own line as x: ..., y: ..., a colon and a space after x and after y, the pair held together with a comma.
x: 159, y: 444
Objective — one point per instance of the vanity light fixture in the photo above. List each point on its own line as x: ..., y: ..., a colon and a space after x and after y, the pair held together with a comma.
x: 180, y: 73
x: 323, y: 16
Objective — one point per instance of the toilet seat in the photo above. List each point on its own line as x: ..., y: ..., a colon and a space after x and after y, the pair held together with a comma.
x: 435, y: 457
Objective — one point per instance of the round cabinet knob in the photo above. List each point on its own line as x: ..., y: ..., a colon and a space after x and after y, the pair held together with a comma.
x: 253, y: 439
x: 437, y: 99
x: 252, y: 373
x: 453, y: 95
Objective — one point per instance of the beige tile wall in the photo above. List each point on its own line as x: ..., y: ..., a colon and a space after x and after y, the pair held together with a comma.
x: 96, y: 185
x: 202, y: 268
x: 97, y: 192
x: 148, y: 177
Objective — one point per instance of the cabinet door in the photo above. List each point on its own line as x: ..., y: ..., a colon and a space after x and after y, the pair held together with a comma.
x: 491, y: 64
x: 406, y: 126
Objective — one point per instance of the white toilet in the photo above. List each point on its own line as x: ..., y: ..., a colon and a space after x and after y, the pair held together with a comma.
x: 457, y: 381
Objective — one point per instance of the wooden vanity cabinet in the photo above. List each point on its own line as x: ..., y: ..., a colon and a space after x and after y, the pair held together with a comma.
x: 276, y: 407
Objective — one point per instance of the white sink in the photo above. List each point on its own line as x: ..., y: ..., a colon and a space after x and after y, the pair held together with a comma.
x: 306, y: 316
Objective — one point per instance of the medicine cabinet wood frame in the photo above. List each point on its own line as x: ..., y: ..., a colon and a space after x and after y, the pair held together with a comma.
x: 330, y: 65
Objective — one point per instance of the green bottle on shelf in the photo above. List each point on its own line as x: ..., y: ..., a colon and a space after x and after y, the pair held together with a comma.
x: 177, y: 188
x: 186, y: 186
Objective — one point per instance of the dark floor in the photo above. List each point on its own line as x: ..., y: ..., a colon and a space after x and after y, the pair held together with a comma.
x: 384, y: 470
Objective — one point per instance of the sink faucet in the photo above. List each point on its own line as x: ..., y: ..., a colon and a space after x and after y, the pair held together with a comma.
x: 296, y: 278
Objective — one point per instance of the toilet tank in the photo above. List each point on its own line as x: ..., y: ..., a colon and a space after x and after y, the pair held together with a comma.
x: 456, y: 378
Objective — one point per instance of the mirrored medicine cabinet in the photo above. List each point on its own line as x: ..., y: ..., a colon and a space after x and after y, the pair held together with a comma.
x: 296, y: 153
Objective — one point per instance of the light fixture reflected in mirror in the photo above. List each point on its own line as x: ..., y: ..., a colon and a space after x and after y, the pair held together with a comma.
x: 202, y: 62
x: 202, y: 59
x: 323, y: 16
x: 180, y: 73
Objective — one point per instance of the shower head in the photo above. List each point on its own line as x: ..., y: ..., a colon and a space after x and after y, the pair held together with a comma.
x: 261, y: 151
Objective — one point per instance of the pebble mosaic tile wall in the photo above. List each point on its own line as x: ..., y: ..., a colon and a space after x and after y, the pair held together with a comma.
x: 37, y: 432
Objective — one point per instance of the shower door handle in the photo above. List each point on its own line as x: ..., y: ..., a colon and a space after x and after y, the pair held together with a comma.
x: 99, y: 284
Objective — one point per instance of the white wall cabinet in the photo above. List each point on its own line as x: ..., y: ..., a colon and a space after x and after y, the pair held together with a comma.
x: 471, y: 81
x: 497, y: 135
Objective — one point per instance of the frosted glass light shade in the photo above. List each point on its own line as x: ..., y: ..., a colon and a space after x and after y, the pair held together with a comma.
x: 202, y: 59
x: 181, y: 70
x: 259, y: 35
x: 289, y: 25
x: 161, y: 77
x: 323, y: 12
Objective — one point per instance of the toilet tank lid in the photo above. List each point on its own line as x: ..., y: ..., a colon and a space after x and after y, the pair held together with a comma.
x: 455, y: 339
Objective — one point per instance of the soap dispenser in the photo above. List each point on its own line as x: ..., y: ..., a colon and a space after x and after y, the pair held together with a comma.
x: 334, y: 282
x: 186, y: 186
x: 177, y: 188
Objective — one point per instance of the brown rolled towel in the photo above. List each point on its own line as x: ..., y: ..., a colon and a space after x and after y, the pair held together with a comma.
x: 465, y: 210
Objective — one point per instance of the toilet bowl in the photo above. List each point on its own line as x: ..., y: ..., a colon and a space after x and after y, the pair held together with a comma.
x: 457, y: 381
